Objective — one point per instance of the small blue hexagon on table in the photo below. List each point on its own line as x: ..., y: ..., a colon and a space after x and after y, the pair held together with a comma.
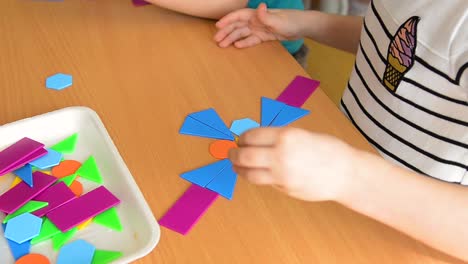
x: 59, y: 81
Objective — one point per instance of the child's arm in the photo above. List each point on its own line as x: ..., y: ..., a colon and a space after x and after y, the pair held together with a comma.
x: 248, y: 27
x: 318, y: 167
x: 214, y: 9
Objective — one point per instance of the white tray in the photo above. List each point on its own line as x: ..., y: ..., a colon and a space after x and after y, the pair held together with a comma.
x: 141, y: 231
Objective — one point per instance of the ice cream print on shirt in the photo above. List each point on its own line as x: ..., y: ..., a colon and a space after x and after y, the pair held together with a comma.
x: 401, y: 53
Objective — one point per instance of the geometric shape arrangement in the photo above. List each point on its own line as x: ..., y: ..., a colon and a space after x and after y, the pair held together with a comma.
x: 220, y: 148
x: 18, y: 250
x: 23, y: 228
x: 218, y: 177
x: 90, y: 171
x: 225, y: 182
x: 19, y: 154
x: 56, y: 195
x: 204, y: 175
x: 77, y: 188
x: 278, y: 114
x: 270, y: 109
x: 48, y: 230
x: 105, y: 256
x: 188, y: 209
x: 139, y: 2
x: 16, y: 181
x: 60, y: 239
x: 298, y: 91
x: 52, y: 158
x: 77, y: 252
x: 241, y: 126
x: 195, y: 201
x: 33, y: 259
x: 67, y: 145
x: 29, y: 207
x: 19, y: 195
x: 288, y: 115
x: 59, y: 81
x: 109, y: 219
x: 82, y: 208
x: 25, y: 173
x: 66, y: 168
x: 68, y: 180
x: 206, y: 123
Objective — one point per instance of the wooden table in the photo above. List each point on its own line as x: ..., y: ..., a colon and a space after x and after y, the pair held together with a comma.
x: 143, y: 70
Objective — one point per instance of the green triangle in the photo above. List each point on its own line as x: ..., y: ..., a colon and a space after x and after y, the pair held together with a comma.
x: 48, y: 230
x: 67, y: 145
x: 90, y: 171
x: 62, y: 238
x: 110, y: 219
x: 104, y: 256
x: 68, y: 180
x: 29, y: 207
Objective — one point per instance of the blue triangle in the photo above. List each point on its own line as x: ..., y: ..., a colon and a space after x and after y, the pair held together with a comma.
x: 240, y: 126
x: 270, y: 109
x: 18, y: 250
x: 224, y: 183
x: 288, y: 115
x: 212, y: 119
x: 202, y: 176
x: 196, y: 128
x: 25, y: 173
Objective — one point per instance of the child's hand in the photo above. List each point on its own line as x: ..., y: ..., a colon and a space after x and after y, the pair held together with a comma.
x: 304, y: 165
x: 249, y: 27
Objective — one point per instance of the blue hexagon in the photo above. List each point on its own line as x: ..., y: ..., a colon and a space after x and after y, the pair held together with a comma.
x: 23, y: 228
x: 59, y: 81
x: 240, y: 126
x: 77, y: 252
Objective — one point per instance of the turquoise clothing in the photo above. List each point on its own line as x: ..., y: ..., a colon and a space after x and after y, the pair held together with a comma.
x: 291, y: 46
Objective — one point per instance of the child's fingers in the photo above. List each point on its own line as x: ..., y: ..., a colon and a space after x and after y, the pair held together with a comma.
x: 248, y: 42
x: 238, y: 33
x: 240, y: 15
x: 256, y: 176
x: 252, y: 157
x: 264, y: 136
x: 222, y: 33
x: 263, y: 15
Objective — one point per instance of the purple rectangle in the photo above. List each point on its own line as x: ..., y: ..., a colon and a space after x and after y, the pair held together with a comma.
x: 186, y: 212
x: 139, y: 2
x: 20, y: 163
x: 298, y: 91
x: 82, y: 208
x: 17, y: 152
x: 19, y: 195
x: 56, y: 196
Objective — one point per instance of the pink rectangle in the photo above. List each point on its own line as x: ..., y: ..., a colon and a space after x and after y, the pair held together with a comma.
x: 82, y: 208
x: 190, y: 207
x: 20, y: 163
x: 139, y: 2
x: 57, y: 195
x: 16, y: 153
x: 19, y: 195
x: 298, y: 91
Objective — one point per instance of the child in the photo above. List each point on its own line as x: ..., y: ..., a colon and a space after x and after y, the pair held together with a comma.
x: 218, y: 8
x: 408, y: 95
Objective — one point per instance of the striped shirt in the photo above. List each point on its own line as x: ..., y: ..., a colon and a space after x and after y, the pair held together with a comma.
x: 408, y: 92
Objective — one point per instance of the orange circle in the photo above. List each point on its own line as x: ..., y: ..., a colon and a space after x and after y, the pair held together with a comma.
x: 77, y: 188
x: 65, y: 168
x: 33, y: 259
x: 220, y: 148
